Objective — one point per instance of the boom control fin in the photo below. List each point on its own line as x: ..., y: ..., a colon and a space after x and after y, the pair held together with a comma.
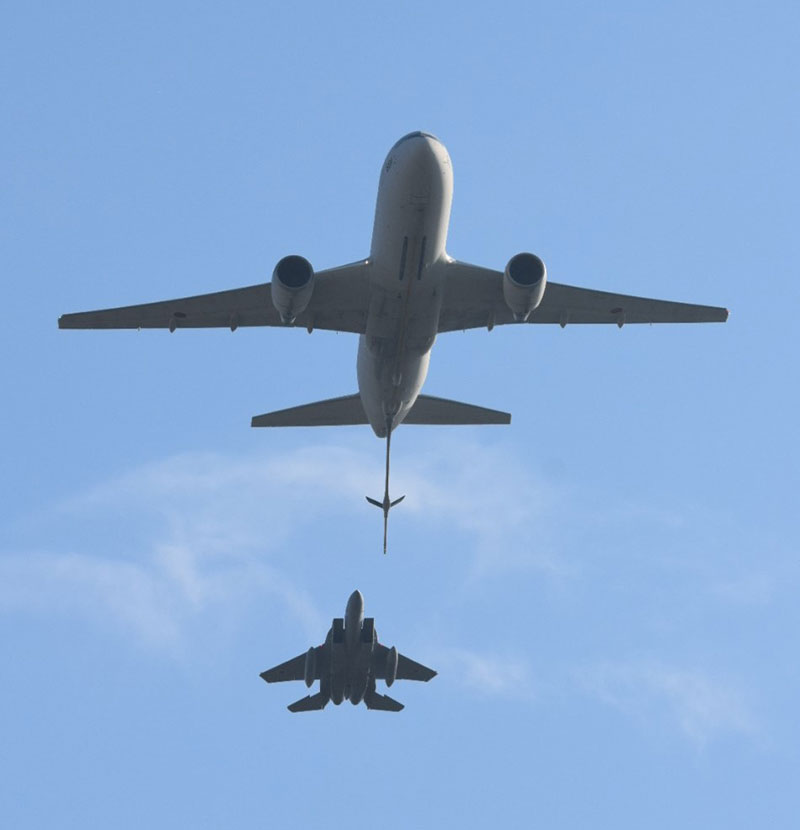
x: 387, y: 504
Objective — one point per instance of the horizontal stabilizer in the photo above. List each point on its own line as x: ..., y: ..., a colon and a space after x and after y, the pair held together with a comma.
x: 309, y: 703
x: 382, y: 702
x: 348, y: 410
x: 335, y: 412
x: 430, y: 410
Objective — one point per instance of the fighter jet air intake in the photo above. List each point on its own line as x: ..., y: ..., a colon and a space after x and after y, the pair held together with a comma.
x: 347, y: 665
x: 408, y: 290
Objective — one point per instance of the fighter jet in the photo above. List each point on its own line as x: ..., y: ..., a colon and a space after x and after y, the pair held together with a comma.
x: 347, y: 665
x: 408, y: 290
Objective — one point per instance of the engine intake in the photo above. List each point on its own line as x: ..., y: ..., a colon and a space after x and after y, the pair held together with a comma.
x: 292, y: 286
x: 524, y: 282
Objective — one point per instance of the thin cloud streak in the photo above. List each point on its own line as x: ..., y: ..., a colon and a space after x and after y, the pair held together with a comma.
x: 202, y: 531
x: 157, y: 600
x: 490, y: 675
x: 703, y: 708
x: 196, y: 531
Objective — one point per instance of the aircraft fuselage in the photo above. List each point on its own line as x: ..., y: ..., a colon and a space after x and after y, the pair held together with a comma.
x: 406, y: 286
x: 347, y: 673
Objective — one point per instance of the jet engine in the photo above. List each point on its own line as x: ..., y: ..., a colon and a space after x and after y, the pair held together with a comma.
x: 391, y: 665
x: 292, y: 284
x: 311, y: 667
x: 524, y: 282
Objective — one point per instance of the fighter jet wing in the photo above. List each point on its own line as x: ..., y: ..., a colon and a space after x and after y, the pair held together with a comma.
x: 339, y: 302
x: 294, y: 669
x: 407, y: 669
x: 473, y: 298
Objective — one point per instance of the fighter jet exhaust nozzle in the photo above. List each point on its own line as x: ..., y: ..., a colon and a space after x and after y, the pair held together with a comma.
x: 292, y: 286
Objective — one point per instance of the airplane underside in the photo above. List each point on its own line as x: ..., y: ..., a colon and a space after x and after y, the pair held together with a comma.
x: 408, y: 291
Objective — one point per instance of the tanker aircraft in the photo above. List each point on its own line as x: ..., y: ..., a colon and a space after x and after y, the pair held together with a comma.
x: 347, y: 665
x: 408, y: 290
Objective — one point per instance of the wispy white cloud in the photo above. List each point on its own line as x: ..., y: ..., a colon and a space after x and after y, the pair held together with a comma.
x: 700, y: 706
x: 509, y: 514
x: 157, y: 598
x: 197, y: 532
x: 171, y: 540
x: 490, y: 675
x: 129, y: 593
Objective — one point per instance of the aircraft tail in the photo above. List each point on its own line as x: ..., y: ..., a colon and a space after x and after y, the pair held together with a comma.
x: 348, y: 410
x: 309, y: 703
x: 381, y: 702
x: 334, y: 412
x: 430, y: 410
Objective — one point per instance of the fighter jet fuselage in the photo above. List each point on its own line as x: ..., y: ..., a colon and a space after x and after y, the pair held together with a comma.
x: 347, y: 665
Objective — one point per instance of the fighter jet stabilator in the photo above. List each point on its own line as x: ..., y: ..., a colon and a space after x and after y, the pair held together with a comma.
x: 347, y: 665
x: 397, y: 300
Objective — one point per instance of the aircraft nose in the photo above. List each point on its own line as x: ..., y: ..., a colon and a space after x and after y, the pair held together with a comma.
x: 356, y: 603
x: 423, y: 148
x: 418, y: 138
x: 418, y: 150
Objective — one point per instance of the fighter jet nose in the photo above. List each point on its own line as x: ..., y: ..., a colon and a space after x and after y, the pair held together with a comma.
x: 353, y: 615
x: 356, y: 600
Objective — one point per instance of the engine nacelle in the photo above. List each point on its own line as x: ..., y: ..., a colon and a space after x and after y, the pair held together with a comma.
x: 391, y: 665
x: 524, y: 282
x: 292, y: 285
x: 310, y: 673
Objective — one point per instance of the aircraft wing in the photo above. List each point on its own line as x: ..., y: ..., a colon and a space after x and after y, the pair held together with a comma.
x: 407, y: 669
x: 294, y: 669
x: 339, y: 302
x: 473, y: 298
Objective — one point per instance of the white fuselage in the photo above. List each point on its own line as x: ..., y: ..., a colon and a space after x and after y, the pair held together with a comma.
x: 406, y: 278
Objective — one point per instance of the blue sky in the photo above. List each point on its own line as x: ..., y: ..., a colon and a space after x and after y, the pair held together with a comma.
x: 608, y: 587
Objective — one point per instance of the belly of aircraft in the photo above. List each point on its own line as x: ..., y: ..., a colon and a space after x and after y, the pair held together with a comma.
x: 406, y: 291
